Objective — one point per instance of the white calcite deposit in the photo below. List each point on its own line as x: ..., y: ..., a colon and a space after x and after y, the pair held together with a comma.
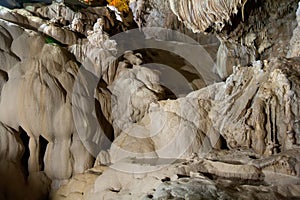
x: 79, y: 119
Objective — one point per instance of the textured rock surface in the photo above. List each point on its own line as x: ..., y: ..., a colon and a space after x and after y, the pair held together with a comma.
x: 35, y: 101
x: 238, y: 178
x: 248, y: 30
x: 80, y: 119
x: 202, y: 15
x: 294, y: 43
x: 267, y: 108
x: 262, y: 163
x: 155, y: 13
x: 13, y: 185
x: 257, y: 108
x: 37, y: 78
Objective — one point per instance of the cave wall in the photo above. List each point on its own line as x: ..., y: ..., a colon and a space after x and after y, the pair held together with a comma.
x: 248, y: 30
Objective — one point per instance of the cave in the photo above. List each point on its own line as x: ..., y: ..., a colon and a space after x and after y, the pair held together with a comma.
x: 149, y: 99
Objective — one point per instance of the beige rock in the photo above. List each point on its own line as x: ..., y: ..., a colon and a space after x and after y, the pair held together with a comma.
x: 48, y: 80
x: 113, y: 108
x: 294, y: 43
x: 79, y: 186
x: 62, y: 35
x: 33, y: 42
x: 156, y: 179
x: 21, y: 17
x: 260, y: 107
x: 247, y: 32
x: 14, y: 184
x: 168, y: 130
x: 230, y: 114
x: 205, y: 13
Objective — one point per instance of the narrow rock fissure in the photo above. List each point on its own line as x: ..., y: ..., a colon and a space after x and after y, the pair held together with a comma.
x: 43, y: 146
x: 24, y: 159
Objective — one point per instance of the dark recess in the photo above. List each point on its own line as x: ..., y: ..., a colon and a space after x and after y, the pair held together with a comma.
x: 43, y: 146
x: 24, y: 160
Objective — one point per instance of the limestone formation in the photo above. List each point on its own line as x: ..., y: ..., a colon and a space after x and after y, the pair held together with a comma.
x: 202, y: 15
x: 155, y: 13
x: 87, y: 115
x: 248, y: 30
x: 294, y: 43
x: 182, y: 179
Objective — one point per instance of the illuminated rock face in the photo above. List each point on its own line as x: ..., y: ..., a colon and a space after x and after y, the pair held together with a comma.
x: 294, y: 50
x: 36, y: 113
x: 39, y: 68
x: 37, y: 76
x: 155, y: 13
x: 242, y: 110
x: 248, y: 30
x: 200, y: 15
x: 236, y: 139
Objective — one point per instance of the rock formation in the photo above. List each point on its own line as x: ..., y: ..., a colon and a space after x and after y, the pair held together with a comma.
x: 248, y: 30
x: 85, y: 112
